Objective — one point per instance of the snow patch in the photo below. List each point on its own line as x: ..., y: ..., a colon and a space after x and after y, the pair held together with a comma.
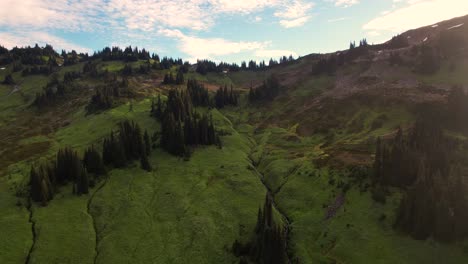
x: 425, y: 39
x: 457, y: 26
x: 2, y: 68
x: 434, y: 26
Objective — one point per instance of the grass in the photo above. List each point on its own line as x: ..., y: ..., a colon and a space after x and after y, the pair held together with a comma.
x: 355, y: 234
x: 192, y: 211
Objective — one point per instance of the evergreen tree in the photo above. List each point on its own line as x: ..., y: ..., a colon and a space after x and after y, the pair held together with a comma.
x: 93, y: 162
x: 147, y: 143
x: 8, y: 80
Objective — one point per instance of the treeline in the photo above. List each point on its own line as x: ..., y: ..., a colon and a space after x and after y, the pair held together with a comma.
x: 105, y: 96
x: 225, y: 97
x: 67, y: 167
x: 206, y: 66
x: 121, y: 147
x: 27, y: 55
x: 269, y: 242
x: 181, y: 126
x: 267, y: 91
x: 47, y: 69
x: 126, y: 145
x: 328, y: 64
x: 431, y: 167
x: 56, y: 89
x: 169, y: 78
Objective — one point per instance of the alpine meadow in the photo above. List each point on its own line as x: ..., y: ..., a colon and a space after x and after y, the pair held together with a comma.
x: 235, y: 148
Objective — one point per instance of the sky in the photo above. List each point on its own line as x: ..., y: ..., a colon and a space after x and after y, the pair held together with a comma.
x: 219, y: 30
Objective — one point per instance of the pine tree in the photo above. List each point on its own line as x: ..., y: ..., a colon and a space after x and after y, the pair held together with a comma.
x: 147, y: 143
x: 93, y: 161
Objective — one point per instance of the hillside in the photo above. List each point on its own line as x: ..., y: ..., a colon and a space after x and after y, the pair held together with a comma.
x: 328, y: 158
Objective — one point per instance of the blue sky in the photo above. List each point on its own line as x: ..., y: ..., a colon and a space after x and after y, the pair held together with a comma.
x: 221, y: 30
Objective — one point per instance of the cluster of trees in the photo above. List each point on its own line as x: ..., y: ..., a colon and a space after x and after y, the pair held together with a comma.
x: 224, y: 97
x: 73, y: 57
x: 169, y: 78
x: 45, y: 70
x: 269, y: 243
x: 69, y: 77
x: 181, y: 126
x: 126, y: 145
x: 267, y: 91
x: 29, y: 55
x: 90, y: 68
x: 128, y: 54
x: 206, y: 66
x: 428, y: 61
x: 105, y: 96
x: 8, y: 80
x: 326, y: 65
x: 68, y: 167
x: 198, y: 94
x: 429, y: 166
x: 362, y: 43
x: 457, y: 109
x: 51, y: 93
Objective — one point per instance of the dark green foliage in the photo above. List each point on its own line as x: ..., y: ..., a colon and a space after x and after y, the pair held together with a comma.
x: 267, y: 91
x: 71, y: 76
x: 180, y: 126
x: 91, y: 69
x: 198, y: 93
x: 224, y: 97
x: 67, y: 167
x: 326, y: 65
x: 72, y: 58
x: 127, y: 70
x: 178, y: 80
x: 105, y: 96
x: 125, y: 145
x: 457, y: 109
x: 45, y: 70
x: 93, y: 162
x: 144, y: 163
x: 269, y: 243
x: 8, y: 80
x: 169, y: 79
x: 144, y: 69
x: 41, y: 189
x: 428, y: 61
x: 29, y: 55
x: 157, y: 108
x: 53, y: 92
x: 147, y: 141
x: 179, y: 77
x: 128, y: 55
x: 429, y: 165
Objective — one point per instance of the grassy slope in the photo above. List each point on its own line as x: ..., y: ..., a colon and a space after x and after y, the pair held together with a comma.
x: 200, y: 206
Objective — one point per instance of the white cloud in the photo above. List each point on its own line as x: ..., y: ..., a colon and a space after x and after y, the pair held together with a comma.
x: 68, y: 15
x: 145, y: 15
x: 209, y: 48
x: 344, y: 3
x: 417, y: 13
x: 295, y: 22
x: 294, y: 14
x: 337, y: 19
x: 41, y: 38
